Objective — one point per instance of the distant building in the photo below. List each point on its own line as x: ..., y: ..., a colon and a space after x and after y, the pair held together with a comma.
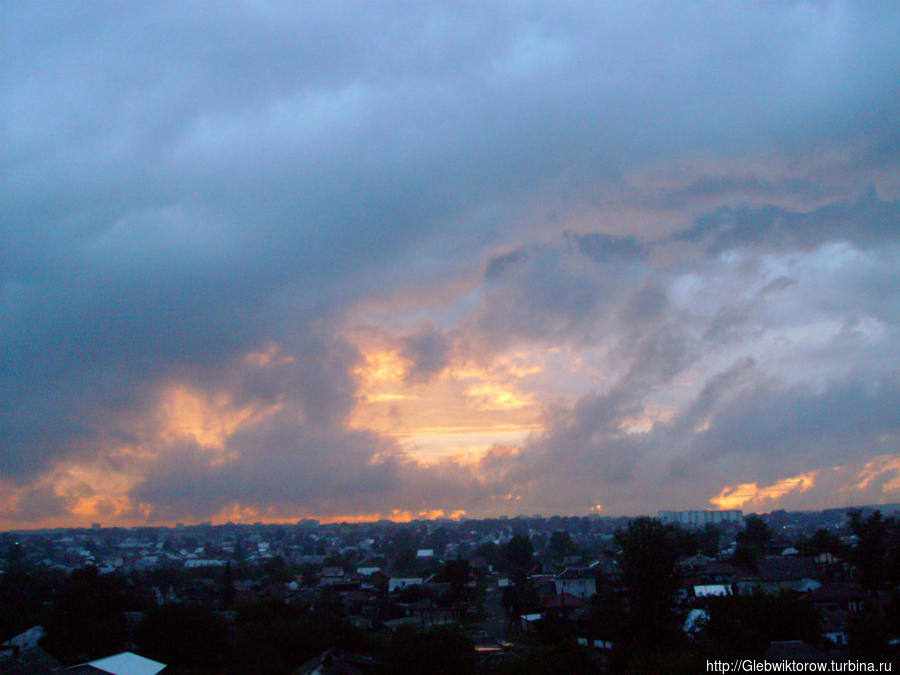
x: 331, y: 576
x: 700, y: 518
x: 201, y: 562
x: 399, y: 583
x: 795, y: 573
x: 580, y: 583
x: 712, y: 590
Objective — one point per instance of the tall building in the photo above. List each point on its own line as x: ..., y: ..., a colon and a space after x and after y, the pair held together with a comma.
x: 700, y: 518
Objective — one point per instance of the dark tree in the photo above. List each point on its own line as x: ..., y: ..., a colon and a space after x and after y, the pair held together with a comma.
x: 872, y: 547
x: 565, y: 658
x: 490, y: 552
x: 824, y: 541
x: 751, y: 542
x: 868, y: 635
x: 457, y: 573
x: 519, y: 553
x: 87, y: 619
x: 649, y: 550
x: 24, y: 592
x: 274, y: 638
x: 440, y: 650
x: 687, y: 542
x: 520, y: 599
x: 240, y: 553
x: 227, y: 587
x: 745, y: 557
x: 755, y: 535
x: 438, y: 540
x: 709, y: 538
x: 552, y: 629
x: 561, y: 545
x: 15, y: 593
x: 608, y: 613
x: 183, y: 636
x: 744, y: 625
x: 402, y: 548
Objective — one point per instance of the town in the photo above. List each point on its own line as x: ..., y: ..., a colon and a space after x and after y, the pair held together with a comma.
x: 502, y: 595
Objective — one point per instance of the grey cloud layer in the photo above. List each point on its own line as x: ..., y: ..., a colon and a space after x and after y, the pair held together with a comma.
x: 792, y: 334
x: 182, y: 185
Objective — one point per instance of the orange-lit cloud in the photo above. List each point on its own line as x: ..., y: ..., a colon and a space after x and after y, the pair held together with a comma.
x: 271, y: 355
x: 459, y: 413
x: 644, y: 422
x: 382, y: 366
x: 238, y: 512
x: 736, y: 496
x: 207, y: 420
x: 85, y: 492
x: 397, y: 515
x: 492, y: 396
x: 883, y: 465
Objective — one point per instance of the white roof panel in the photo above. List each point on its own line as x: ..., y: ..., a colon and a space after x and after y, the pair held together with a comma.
x: 128, y: 663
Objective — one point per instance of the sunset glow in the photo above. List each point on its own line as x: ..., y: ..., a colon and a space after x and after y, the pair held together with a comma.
x: 751, y: 495
x: 312, y: 260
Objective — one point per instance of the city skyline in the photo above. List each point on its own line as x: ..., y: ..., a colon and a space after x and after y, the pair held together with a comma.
x: 360, y: 261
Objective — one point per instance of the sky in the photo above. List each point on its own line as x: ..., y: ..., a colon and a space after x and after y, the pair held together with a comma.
x: 355, y: 260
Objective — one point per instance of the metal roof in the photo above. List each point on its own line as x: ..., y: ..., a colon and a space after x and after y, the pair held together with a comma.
x: 127, y: 663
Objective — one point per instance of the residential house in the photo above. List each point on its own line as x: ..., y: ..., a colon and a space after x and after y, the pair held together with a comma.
x: 561, y: 605
x: 579, y: 582
x: 844, y: 596
x: 797, y: 573
x: 332, y: 576
x: 712, y: 590
x: 399, y: 583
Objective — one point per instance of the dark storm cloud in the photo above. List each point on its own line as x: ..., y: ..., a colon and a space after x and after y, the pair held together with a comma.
x: 866, y: 221
x: 601, y: 247
x: 429, y: 351
x: 574, y: 292
x: 282, y: 469
x: 792, y: 421
x: 548, y: 293
x: 185, y: 184
x: 282, y: 466
x: 39, y: 503
x: 832, y: 278
x: 499, y: 264
x: 756, y: 431
x: 728, y: 187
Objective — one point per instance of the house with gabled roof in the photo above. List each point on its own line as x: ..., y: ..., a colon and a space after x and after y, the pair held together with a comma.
x: 796, y: 573
x: 576, y: 581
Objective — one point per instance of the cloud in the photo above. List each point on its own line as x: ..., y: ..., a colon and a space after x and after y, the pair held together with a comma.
x: 865, y: 221
x: 428, y: 350
x: 202, y: 208
x: 719, y: 455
